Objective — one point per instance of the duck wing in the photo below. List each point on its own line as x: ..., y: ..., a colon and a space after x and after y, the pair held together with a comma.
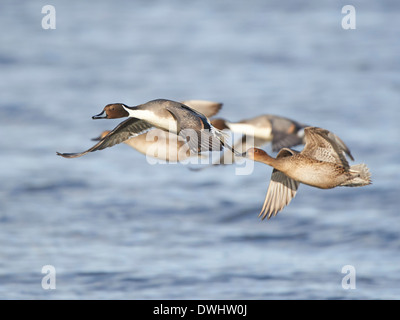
x: 125, y: 130
x: 208, y: 108
x: 281, y: 190
x: 341, y: 144
x: 322, y: 145
x: 202, y: 140
x: 195, y: 128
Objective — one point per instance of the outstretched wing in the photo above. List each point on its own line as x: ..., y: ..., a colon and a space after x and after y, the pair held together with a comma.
x: 342, y: 146
x: 125, y: 130
x: 208, y: 108
x: 281, y: 190
x: 323, y: 145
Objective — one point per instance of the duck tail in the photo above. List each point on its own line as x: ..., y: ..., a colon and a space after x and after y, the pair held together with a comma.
x: 361, y: 176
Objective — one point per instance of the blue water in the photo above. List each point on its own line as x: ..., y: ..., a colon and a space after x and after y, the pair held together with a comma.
x: 116, y: 227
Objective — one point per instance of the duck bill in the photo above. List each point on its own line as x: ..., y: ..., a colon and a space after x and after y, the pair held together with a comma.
x: 101, y: 115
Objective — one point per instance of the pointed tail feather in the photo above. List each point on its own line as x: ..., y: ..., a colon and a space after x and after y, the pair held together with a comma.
x: 362, y: 176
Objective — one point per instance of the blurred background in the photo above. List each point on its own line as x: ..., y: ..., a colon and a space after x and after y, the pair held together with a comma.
x: 116, y: 227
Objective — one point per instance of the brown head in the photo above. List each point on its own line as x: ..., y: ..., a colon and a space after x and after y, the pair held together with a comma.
x: 255, y: 154
x: 112, y: 111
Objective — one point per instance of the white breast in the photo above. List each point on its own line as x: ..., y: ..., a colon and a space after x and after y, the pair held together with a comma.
x: 166, y: 123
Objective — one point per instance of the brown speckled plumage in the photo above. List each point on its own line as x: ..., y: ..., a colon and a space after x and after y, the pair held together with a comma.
x: 322, y: 164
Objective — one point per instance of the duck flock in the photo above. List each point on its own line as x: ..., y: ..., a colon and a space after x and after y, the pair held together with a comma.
x: 175, y: 131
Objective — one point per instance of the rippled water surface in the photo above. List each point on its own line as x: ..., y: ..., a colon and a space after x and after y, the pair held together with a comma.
x: 116, y: 227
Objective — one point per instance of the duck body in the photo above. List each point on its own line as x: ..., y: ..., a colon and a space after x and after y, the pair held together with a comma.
x: 315, y: 173
x: 176, y: 117
x: 280, y: 131
x: 260, y: 127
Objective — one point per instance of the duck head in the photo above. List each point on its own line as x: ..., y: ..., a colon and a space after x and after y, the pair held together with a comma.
x: 112, y: 111
x: 254, y: 154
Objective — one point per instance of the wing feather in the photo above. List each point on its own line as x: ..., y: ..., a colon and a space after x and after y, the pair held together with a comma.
x: 281, y: 191
x: 322, y: 145
x: 125, y: 130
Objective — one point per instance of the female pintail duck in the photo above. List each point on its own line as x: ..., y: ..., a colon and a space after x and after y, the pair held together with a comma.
x: 322, y: 164
x: 174, y: 117
x: 280, y: 131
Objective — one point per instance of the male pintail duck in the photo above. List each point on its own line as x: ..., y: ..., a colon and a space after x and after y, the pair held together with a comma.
x: 280, y: 131
x: 172, y: 116
x: 322, y: 164
x: 157, y: 143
